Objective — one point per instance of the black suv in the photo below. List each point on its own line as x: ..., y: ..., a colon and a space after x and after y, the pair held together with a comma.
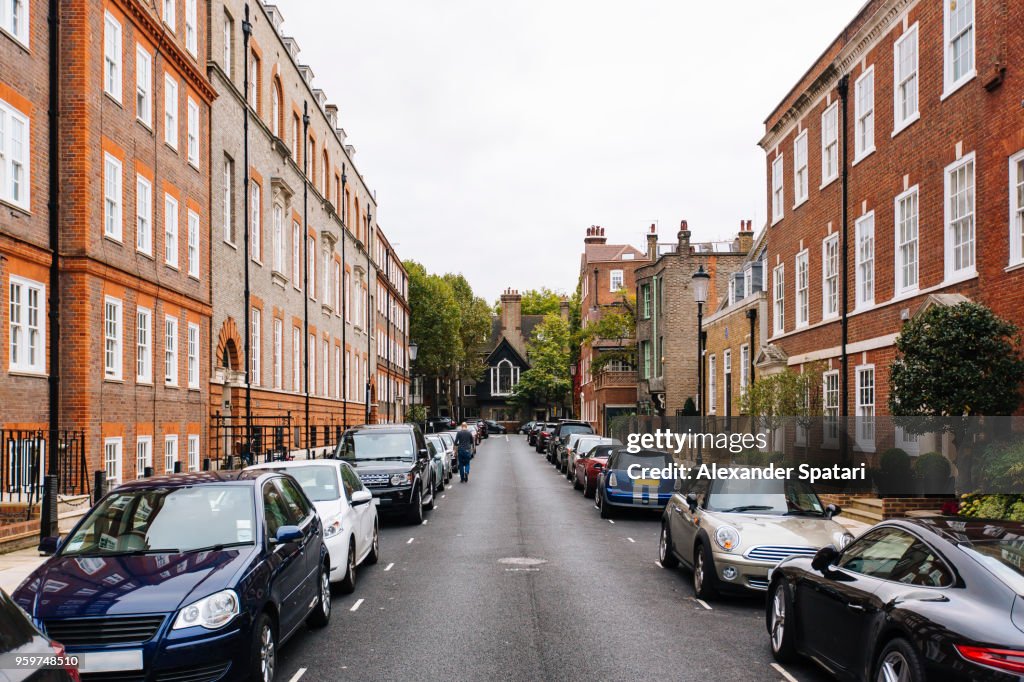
x: 436, y: 424
x: 393, y: 462
x: 560, y: 436
x: 492, y: 426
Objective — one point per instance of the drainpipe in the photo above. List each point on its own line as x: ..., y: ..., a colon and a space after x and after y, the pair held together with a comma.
x: 844, y: 410
x: 305, y: 268
x: 369, y: 222
x: 344, y: 297
x: 247, y: 313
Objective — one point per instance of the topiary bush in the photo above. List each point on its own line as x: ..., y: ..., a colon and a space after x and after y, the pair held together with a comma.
x: 896, y: 476
x: 689, y: 408
x: 1000, y: 466
x: 932, y: 471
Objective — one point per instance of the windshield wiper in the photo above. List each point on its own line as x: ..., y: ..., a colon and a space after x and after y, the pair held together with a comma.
x: 749, y: 507
x: 127, y: 552
x: 803, y: 512
x: 216, y: 548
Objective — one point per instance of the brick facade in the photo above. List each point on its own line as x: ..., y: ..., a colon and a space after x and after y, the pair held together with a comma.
x: 392, y: 319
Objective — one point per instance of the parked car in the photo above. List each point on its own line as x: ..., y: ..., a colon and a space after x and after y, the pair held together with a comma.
x: 481, y: 430
x: 563, y: 430
x: 346, y: 509
x: 616, y: 489
x: 494, y: 427
x: 579, y: 445
x: 732, y: 532
x: 938, y: 598
x: 439, y: 460
x: 543, y: 435
x: 531, y: 435
x: 19, y: 636
x: 449, y: 442
x: 562, y: 452
x: 393, y: 461
x: 435, y: 424
x: 590, y: 465
x: 524, y: 429
x: 197, y: 576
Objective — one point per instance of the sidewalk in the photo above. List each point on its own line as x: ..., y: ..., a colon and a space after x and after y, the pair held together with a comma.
x: 857, y: 528
x: 15, y: 567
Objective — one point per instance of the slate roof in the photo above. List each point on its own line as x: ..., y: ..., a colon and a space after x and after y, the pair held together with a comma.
x: 598, y: 253
x: 529, y: 322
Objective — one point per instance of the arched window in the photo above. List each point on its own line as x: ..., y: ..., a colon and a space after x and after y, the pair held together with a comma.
x: 504, y: 377
x: 276, y: 124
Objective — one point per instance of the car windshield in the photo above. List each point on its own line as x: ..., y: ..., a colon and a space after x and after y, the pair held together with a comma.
x: 380, y: 446
x: 1004, y: 558
x: 575, y: 428
x: 764, y: 497
x: 166, y: 520
x: 586, y: 445
x: 319, y: 481
x: 643, y: 459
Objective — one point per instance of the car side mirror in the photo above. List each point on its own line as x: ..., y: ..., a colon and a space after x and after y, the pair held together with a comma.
x: 691, y: 500
x: 424, y: 453
x: 286, y: 534
x: 49, y: 545
x: 833, y: 510
x: 361, y: 497
x: 825, y: 557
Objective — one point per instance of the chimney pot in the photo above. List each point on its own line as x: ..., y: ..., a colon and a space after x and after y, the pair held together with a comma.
x: 683, y: 225
x: 652, y: 228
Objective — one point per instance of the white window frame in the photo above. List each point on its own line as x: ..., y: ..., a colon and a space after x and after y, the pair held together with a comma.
x: 143, y: 86
x: 830, y: 143
x: 113, y: 57
x: 778, y: 189
x: 296, y: 255
x: 278, y: 353
x: 192, y: 354
x: 14, y: 20
x: 909, y: 82
x: 951, y: 273
x: 337, y: 372
x: 229, y: 193
x: 278, y: 236
x: 311, y: 377
x: 827, y: 277
x: 170, y: 452
x: 170, y: 351
x: 496, y: 389
x: 311, y: 266
x: 228, y: 34
x: 27, y: 327
x: 803, y: 289
x: 296, y: 359
x: 255, y: 221
x: 143, y: 454
x: 779, y: 298
x: 169, y: 14
x: 113, y: 458
x: 613, y: 276
x: 15, y: 157
x: 865, y: 410
x: 255, y: 359
x: 193, y: 446
x: 143, y: 215
x: 170, y: 111
x: 324, y: 367
x: 113, y: 338
x: 143, y: 345
x: 191, y: 27
x: 193, y: 244
x: 830, y: 408
x: 801, y: 170
x: 193, y: 132
x: 744, y: 368
x: 1016, y: 200
x: 949, y: 83
x: 712, y: 384
x: 864, y: 115
x: 904, y: 244
x: 113, y: 198
x: 865, y: 275
x: 171, y: 218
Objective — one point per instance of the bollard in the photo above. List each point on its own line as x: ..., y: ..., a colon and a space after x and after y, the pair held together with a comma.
x: 206, y: 464
x: 99, y: 485
x: 177, y: 467
x: 48, y: 514
x: 147, y: 472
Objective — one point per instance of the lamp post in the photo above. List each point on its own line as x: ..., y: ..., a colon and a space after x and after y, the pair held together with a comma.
x: 701, y: 280
x: 572, y: 391
x: 414, y: 350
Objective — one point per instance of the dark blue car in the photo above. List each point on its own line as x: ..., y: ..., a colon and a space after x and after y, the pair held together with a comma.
x: 195, y: 577
x: 627, y: 482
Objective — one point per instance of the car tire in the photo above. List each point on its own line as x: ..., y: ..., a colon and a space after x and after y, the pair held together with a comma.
x: 587, y: 492
x: 666, y: 554
x: 440, y: 484
x: 430, y: 505
x: 373, y: 556
x: 415, y: 514
x: 348, y: 583
x: 703, y: 573
x: 606, y: 509
x: 263, y: 664
x: 779, y: 617
x: 899, y: 658
x: 576, y: 483
x: 321, y: 614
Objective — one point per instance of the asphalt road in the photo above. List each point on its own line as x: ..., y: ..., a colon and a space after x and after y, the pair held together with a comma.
x: 442, y: 604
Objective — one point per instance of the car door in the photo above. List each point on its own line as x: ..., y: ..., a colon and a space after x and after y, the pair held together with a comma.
x: 836, y: 606
x: 687, y: 521
x: 286, y: 559
x: 361, y: 515
x: 302, y: 509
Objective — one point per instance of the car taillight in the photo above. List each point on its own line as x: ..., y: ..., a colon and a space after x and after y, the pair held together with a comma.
x: 1003, y: 659
x: 71, y: 670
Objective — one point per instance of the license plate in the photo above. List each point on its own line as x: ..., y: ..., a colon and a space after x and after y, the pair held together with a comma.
x: 109, y: 661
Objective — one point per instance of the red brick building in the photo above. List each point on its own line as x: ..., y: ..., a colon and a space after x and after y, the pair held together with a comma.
x: 925, y: 99
x: 607, y: 281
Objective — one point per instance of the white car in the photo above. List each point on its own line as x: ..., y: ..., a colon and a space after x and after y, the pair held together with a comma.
x: 347, y: 510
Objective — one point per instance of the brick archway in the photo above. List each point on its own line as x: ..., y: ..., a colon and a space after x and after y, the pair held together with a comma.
x: 228, y: 343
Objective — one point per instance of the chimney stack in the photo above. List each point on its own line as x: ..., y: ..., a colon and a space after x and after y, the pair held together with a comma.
x: 746, y: 236
x: 595, y: 235
x: 683, y: 237
x: 512, y: 319
x: 563, y: 308
x: 652, y: 243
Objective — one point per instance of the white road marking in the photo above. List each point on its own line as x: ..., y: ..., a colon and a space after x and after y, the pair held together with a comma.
x: 703, y: 603
x: 298, y: 675
x: 410, y: 541
x: 448, y: 488
x: 355, y: 607
x: 424, y: 523
x: 631, y: 539
x: 506, y: 439
x: 611, y: 522
x: 389, y: 567
x: 785, y: 673
x: 658, y: 564
x: 444, y: 496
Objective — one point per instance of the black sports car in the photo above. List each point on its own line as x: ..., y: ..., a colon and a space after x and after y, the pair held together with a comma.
x: 938, y: 598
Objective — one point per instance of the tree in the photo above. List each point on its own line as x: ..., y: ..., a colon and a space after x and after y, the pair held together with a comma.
x: 474, y: 328
x: 617, y: 325
x: 541, y: 301
x: 954, y: 362
x: 771, y: 399
x: 547, y: 382
x: 434, y: 322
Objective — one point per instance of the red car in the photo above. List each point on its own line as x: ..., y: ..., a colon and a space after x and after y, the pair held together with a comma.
x: 543, y: 436
x: 589, y: 466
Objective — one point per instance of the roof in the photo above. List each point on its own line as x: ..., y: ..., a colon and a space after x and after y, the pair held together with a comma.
x: 193, y: 478
x: 528, y: 323
x: 594, y: 253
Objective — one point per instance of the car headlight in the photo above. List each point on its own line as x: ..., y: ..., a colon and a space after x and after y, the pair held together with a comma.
x: 728, y: 538
x: 333, y: 527
x: 401, y: 479
x: 840, y: 540
x: 211, y: 612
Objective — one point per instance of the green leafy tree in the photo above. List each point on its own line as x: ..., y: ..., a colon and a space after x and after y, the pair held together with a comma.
x: 954, y: 362
x: 771, y: 399
x: 615, y: 327
x: 474, y: 328
x: 548, y: 381
x: 434, y: 322
x: 543, y: 301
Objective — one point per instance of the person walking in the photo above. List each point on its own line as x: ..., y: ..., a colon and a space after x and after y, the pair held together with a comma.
x: 464, y: 442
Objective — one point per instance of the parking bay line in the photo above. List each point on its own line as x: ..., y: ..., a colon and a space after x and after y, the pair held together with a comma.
x: 631, y: 540
x: 389, y: 567
x: 355, y: 607
x: 611, y: 521
x: 703, y: 603
x: 424, y: 522
x: 782, y: 671
x: 410, y: 541
x: 298, y: 675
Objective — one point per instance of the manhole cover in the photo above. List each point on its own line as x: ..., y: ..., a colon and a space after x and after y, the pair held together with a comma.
x: 522, y: 561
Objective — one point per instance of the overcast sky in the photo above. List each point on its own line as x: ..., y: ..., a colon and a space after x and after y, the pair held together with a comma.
x: 495, y: 133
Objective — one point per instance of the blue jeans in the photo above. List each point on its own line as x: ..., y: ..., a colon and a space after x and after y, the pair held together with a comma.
x: 464, y: 458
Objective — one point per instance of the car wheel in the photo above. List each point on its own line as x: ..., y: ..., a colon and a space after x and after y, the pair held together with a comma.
x: 703, y: 573
x: 264, y: 650
x: 415, y: 514
x: 587, y: 492
x: 899, y: 662
x: 430, y: 505
x: 374, y: 555
x: 665, y: 552
x: 348, y: 583
x: 606, y: 509
x: 440, y: 484
x: 781, y: 626
x: 321, y: 615
x: 576, y: 483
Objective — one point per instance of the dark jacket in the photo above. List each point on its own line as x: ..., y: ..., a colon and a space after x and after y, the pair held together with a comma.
x: 464, y: 440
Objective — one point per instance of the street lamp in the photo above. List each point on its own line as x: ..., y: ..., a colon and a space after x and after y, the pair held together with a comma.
x: 701, y: 280
x: 414, y: 350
